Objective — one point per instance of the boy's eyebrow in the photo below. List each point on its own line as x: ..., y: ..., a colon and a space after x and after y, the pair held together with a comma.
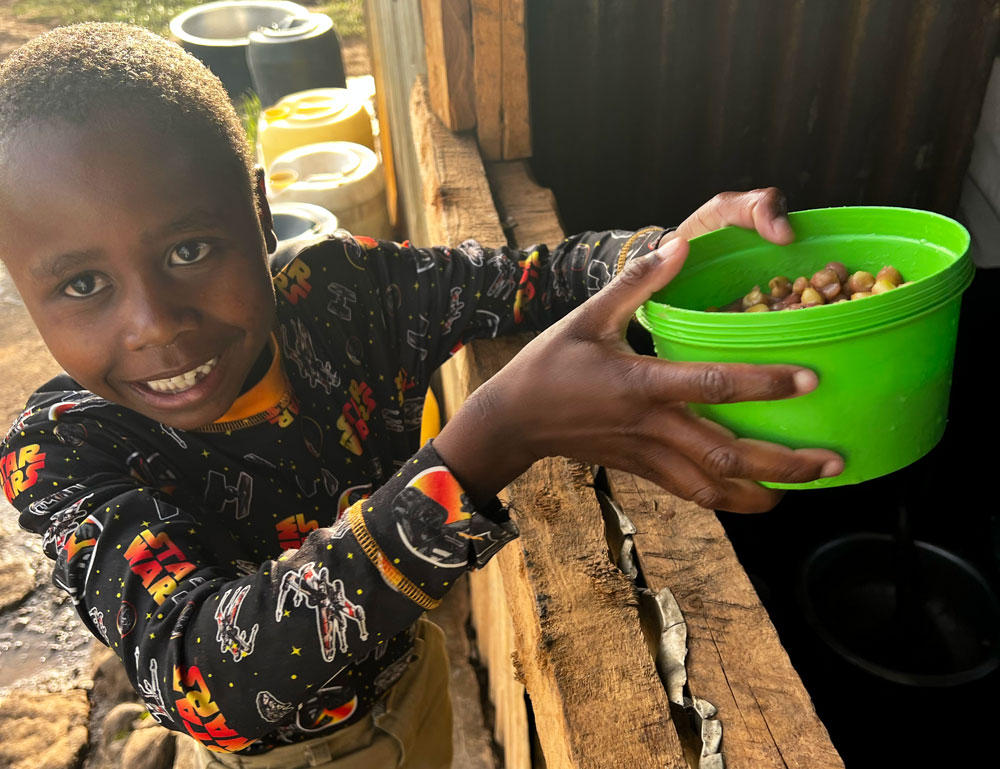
x: 58, y: 266
x: 199, y: 218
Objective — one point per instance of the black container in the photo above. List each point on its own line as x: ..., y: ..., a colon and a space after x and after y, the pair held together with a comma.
x: 908, y: 612
x: 217, y: 33
x: 300, y: 53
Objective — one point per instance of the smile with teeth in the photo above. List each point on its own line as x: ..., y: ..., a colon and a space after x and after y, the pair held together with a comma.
x: 182, y: 382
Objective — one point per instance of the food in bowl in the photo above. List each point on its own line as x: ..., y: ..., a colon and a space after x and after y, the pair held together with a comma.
x: 830, y: 285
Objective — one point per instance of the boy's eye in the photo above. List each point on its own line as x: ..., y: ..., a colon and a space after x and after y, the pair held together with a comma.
x: 189, y: 253
x: 85, y: 285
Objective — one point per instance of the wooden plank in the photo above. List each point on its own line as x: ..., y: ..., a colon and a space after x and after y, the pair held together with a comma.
x: 593, y: 686
x: 487, y: 42
x: 491, y: 616
x: 396, y: 37
x: 516, y: 133
x: 456, y: 195
x: 457, y: 204
x: 735, y: 659
x: 495, y: 642
x: 527, y: 211
x: 579, y: 649
x: 448, y: 46
x: 379, y: 66
x: 579, y: 646
x: 471, y: 741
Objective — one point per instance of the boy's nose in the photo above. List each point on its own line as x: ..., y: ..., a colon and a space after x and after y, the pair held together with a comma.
x: 156, y: 315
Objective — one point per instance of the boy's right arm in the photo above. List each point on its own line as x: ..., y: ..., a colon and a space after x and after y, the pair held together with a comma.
x: 224, y: 649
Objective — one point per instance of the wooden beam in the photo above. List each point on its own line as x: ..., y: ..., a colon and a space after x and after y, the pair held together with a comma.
x: 527, y: 211
x: 380, y: 75
x: 470, y: 736
x: 735, y: 659
x: 448, y: 46
x: 456, y: 204
x: 456, y: 195
x: 487, y: 46
x: 503, y: 123
x: 580, y: 650
x: 516, y: 133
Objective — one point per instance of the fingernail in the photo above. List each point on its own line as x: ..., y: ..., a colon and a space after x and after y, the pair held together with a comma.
x: 667, y: 249
x: 832, y: 468
x: 784, y: 227
x: 805, y: 381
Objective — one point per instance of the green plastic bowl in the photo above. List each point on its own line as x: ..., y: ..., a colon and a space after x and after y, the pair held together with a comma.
x: 884, y: 362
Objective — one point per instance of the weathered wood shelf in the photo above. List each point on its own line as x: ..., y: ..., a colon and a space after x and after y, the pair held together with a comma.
x: 554, y: 616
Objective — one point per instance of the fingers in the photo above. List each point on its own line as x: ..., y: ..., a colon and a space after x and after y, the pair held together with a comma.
x: 680, y: 476
x: 609, y: 311
x: 763, y: 210
x: 702, y: 461
x: 721, y: 455
x: 665, y: 381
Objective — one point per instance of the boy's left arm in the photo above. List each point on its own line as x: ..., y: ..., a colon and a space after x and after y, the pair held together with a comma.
x: 431, y: 301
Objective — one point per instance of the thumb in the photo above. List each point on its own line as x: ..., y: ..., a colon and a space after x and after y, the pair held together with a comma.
x: 610, y: 310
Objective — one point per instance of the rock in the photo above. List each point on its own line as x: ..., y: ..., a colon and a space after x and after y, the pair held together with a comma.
x: 113, y: 733
x: 110, y: 694
x: 149, y: 748
x: 43, y: 731
x: 110, y: 681
x: 188, y: 752
x: 17, y: 580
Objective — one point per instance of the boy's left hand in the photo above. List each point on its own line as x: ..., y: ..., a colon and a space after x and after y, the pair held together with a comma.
x: 578, y: 390
x: 764, y: 210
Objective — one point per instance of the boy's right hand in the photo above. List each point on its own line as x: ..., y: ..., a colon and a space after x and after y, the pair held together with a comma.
x: 578, y: 390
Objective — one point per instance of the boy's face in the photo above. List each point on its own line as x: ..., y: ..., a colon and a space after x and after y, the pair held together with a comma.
x: 142, y: 264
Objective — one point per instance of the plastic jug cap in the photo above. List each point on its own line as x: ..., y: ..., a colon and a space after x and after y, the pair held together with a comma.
x: 319, y: 106
x: 292, y: 27
x: 279, y: 112
x: 281, y: 179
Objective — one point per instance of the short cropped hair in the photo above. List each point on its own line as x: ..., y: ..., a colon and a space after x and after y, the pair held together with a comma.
x: 71, y: 73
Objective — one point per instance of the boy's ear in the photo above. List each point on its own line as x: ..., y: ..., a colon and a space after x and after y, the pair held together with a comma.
x: 264, y: 211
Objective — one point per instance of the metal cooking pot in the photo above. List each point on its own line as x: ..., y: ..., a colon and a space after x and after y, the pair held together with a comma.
x: 218, y: 34
x: 907, y: 612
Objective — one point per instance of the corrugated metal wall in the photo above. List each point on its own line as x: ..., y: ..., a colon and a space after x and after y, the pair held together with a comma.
x: 643, y: 109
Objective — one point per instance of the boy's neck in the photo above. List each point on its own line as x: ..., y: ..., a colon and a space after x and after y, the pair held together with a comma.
x: 259, y: 368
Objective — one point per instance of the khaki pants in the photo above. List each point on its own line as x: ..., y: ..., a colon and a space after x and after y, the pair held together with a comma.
x: 414, y: 732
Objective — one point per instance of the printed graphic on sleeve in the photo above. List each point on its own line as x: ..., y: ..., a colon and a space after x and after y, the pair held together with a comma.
x: 312, y: 586
x: 353, y: 421
x: 431, y: 516
x: 202, y: 717
x: 298, y: 349
x: 271, y: 709
x: 331, y: 705
x: 158, y: 562
x: 76, y: 556
x: 149, y: 690
x: 526, y: 285
x: 293, y: 281
x: 231, y: 637
x: 19, y: 470
x: 293, y: 530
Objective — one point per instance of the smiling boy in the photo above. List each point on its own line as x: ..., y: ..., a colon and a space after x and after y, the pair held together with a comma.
x: 228, y: 477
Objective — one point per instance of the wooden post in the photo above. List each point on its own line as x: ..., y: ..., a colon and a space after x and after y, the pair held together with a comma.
x: 735, y: 659
x: 448, y: 43
x: 503, y: 122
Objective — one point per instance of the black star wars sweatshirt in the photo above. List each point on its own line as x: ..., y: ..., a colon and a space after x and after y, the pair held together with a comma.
x: 259, y: 577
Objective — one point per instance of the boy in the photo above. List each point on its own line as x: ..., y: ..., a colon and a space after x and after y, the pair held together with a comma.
x: 228, y: 476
